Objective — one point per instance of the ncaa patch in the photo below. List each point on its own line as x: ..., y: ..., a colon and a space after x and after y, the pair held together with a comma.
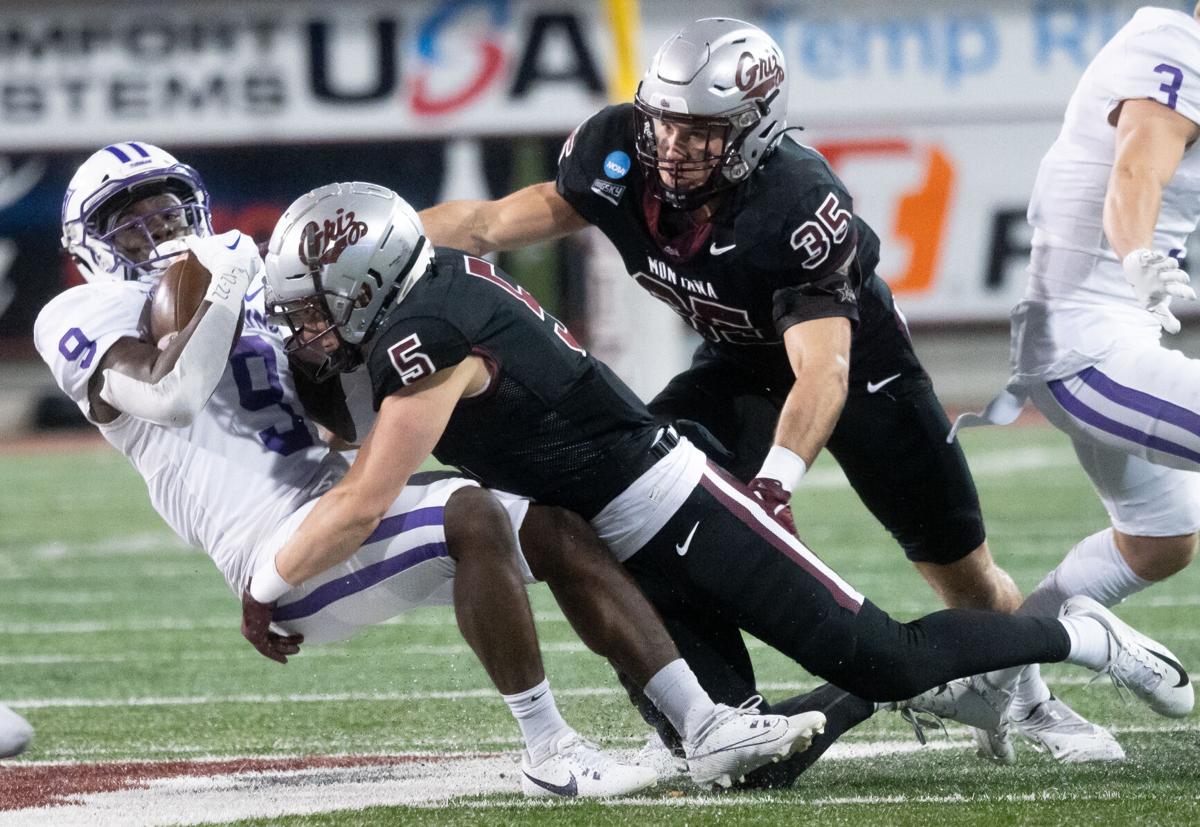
x: 607, y: 190
x: 616, y: 165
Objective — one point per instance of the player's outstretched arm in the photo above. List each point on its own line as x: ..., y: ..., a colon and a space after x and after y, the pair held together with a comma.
x: 535, y: 213
x: 409, y: 424
x: 1150, y: 142
x: 169, y: 387
x: 819, y: 353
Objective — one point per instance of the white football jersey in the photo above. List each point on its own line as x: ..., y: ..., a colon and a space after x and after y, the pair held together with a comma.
x: 247, y: 461
x: 1078, y: 305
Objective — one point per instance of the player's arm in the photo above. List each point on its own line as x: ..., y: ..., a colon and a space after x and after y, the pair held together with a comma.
x: 535, y: 213
x: 409, y: 424
x: 1150, y: 142
x: 169, y: 387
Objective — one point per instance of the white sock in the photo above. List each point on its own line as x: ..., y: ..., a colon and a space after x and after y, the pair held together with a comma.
x: 1089, y: 642
x: 537, y: 715
x: 1094, y: 568
x: 678, y: 695
x: 1031, y: 691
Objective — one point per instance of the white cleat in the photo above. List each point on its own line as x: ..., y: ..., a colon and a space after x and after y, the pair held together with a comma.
x: 662, y: 759
x: 15, y: 733
x: 577, y: 768
x: 996, y: 744
x: 1135, y: 662
x: 1067, y: 736
x: 739, y: 740
x: 970, y: 701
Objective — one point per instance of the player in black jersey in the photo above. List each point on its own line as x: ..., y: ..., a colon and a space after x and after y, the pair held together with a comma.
x: 752, y: 239
x: 467, y: 365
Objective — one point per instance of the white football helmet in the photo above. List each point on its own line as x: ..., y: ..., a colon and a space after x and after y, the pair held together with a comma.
x: 725, y: 81
x: 339, y: 258
x: 112, y: 227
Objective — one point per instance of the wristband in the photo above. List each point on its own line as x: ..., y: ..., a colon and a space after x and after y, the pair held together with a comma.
x: 784, y: 465
x: 267, y: 585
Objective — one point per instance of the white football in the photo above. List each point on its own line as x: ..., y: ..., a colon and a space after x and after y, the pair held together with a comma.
x: 15, y: 733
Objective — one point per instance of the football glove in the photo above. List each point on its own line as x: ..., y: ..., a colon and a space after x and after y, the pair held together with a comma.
x: 776, y: 500
x: 1156, y: 278
x: 256, y: 628
x: 233, y: 261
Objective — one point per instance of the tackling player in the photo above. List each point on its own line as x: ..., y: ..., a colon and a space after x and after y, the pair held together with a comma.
x: 194, y: 417
x: 468, y: 365
x: 1114, y: 202
x: 752, y: 239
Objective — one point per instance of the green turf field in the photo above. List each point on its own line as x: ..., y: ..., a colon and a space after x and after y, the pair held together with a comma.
x: 118, y: 643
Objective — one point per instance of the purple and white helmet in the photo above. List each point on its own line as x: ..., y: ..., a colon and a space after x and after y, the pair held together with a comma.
x: 99, y: 231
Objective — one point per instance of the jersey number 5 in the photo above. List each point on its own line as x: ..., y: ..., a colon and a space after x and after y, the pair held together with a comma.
x: 409, y: 362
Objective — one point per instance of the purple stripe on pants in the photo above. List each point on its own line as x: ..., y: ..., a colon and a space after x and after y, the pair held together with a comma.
x: 1141, y: 401
x: 362, y: 579
x: 1097, y: 420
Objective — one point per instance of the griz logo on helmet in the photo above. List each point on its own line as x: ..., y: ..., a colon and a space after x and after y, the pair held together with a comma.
x: 323, y: 244
x: 757, y: 76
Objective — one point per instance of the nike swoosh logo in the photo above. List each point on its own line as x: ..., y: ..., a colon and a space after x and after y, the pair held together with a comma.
x: 569, y: 790
x: 1174, y: 664
x: 533, y: 698
x: 716, y: 251
x: 872, y: 387
x: 235, y: 243
x: 250, y: 296
x: 683, y: 549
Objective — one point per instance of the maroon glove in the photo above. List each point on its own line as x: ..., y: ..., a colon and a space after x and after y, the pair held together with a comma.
x: 775, y: 500
x: 256, y: 628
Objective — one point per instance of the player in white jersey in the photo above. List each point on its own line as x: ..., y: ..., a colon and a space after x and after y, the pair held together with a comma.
x: 232, y: 465
x: 1115, y: 199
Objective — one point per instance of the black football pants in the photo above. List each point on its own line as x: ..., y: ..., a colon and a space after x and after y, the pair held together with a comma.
x: 738, y: 573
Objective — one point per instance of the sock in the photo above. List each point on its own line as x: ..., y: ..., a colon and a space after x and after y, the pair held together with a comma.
x: 537, y: 715
x: 1094, y: 568
x: 678, y: 695
x: 1031, y: 691
x: 1089, y: 642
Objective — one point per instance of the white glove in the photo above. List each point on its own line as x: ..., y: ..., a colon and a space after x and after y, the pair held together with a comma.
x: 1156, y: 278
x: 233, y: 260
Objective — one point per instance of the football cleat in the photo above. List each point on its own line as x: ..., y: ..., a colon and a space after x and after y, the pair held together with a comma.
x: 996, y: 744
x: 15, y: 733
x: 1067, y: 736
x: 578, y: 769
x: 656, y: 755
x: 1135, y: 662
x: 738, y: 740
x: 970, y: 701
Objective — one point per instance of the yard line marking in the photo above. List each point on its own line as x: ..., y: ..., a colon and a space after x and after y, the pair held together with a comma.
x: 388, y: 697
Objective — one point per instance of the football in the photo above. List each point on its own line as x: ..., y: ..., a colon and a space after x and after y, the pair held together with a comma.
x: 176, y: 297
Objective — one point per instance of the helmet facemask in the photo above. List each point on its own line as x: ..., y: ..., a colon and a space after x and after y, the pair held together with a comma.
x: 711, y: 145
x: 310, y: 321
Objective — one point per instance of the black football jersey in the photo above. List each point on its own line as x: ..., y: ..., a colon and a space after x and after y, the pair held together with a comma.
x: 553, y: 423
x: 784, y: 248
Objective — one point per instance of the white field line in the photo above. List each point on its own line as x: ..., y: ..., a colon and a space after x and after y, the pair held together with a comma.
x: 1141, y: 603
x: 200, y: 799
x: 384, y: 697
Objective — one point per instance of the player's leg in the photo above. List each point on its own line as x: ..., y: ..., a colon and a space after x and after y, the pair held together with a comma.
x: 447, y: 540
x: 741, y: 562
x: 891, y: 443
x: 1154, y: 510
x: 616, y: 620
